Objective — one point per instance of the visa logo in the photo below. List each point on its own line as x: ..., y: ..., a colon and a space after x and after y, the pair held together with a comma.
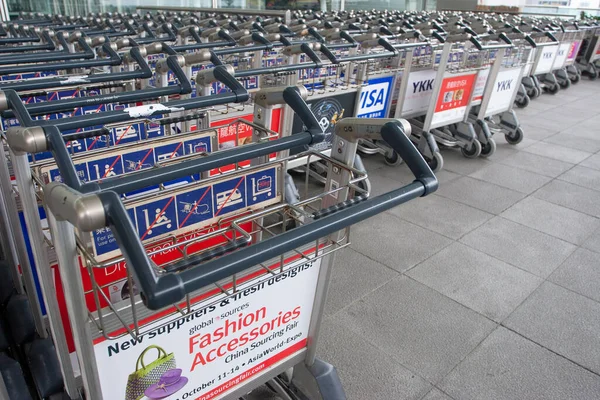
x: 373, y: 98
x: 547, y: 55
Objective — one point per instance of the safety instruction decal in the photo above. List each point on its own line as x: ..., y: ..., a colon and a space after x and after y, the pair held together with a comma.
x: 184, y: 208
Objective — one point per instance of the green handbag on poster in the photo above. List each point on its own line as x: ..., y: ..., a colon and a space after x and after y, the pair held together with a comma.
x: 148, y: 375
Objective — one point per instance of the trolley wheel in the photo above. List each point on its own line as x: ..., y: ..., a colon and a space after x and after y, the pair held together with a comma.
x: 489, y: 148
x: 20, y: 319
x: 594, y: 76
x: 394, y: 160
x: 552, y: 89
x: 473, y: 151
x: 524, y: 103
x: 576, y: 78
x: 514, y: 138
x: 535, y: 93
x: 44, y: 367
x: 566, y: 84
x: 436, y: 163
x: 14, y: 379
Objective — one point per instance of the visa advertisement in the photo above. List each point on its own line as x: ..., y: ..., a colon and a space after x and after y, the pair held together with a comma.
x: 221, y: 343
x: 374, y: 98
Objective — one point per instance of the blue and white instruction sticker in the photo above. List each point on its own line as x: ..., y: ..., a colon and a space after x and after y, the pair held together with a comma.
x: 260, y: 186
x: 183, y: 209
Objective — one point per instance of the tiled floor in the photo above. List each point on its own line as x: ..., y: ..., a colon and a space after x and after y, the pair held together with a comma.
x: 488, y: 289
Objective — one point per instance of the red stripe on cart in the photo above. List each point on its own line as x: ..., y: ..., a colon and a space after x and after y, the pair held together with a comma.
x: 232, y: 383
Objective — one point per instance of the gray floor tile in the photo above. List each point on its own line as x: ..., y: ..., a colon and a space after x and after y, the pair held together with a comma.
x: 505, y: 149
x: 365, y: 371
x: 507, y: 366
x: 381, y: 184
x: 476, y: 280
x: 424, y: 330
x: 353, y: 276
x: 587, y: 129
x: 557, y: 152
x: 577, y: 113
x: 562, y: 321
x: 566, y: 139
x: 436, y: 394
x: 540, y: 123
x: 593, y: 242
x: 511, y: 178
x: 580, y: 273
x: 520, y: 246
x: 554, y: 220
x: 442, y: 215
x: 538, y: 164
x: 586, y: 177
x: 395, y: 242
x: 592, y: 162
x: 455, y: 162
x: 571, y: 196
x: 403, y: 175
x: 480, y: 194
x: 532, y: 131
x: 372, y: 161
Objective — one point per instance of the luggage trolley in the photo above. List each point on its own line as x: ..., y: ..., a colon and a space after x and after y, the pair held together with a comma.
x: 541, y: 76
x: 32, y: 218
x: 589, y: 51
x: 492, y: 107
x: 403, y: 44
x: 565, y: 69
x: 436, y: 95
x: 231, y: 317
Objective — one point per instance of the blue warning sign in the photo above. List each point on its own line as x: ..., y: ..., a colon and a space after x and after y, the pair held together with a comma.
x: 261, y: 186
x: 138, y: 160
x: 156, y: 218
x: 194, y: 207
x: 169, y: 151
x: 198, y: 145
x: 105, y: 168
x: 229, y: 196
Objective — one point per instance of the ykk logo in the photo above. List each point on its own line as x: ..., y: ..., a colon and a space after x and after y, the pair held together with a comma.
x: 504, y: 85
x: 423, y: 86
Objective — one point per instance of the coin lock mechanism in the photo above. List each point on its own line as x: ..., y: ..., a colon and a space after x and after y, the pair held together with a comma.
x: 347, y: 133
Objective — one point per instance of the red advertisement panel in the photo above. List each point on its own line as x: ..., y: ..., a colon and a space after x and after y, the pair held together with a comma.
x: 455, y: 92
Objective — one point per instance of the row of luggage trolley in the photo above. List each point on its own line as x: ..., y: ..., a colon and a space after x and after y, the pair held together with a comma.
x: 175, y: 186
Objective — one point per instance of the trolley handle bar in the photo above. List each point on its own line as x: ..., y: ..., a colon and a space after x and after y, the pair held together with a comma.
x: 239, y: 94
x: 114, y: 59
x: 162, y: 289
x: 143, y: 72
x: 184, y: 87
